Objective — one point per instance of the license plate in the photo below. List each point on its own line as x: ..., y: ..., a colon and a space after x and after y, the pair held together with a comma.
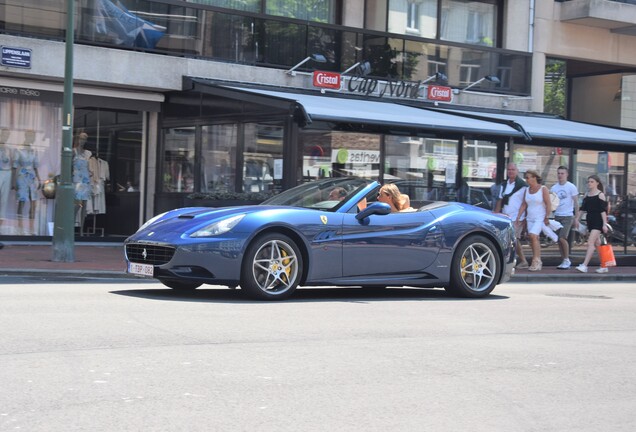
x: 140, y: 269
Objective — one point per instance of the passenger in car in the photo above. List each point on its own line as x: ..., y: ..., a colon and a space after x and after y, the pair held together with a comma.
x: 390, y: 194
x: 337, y: 194
x: 406, y: 204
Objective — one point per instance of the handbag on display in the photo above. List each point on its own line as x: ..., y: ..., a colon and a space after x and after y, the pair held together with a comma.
x: 606, y: 253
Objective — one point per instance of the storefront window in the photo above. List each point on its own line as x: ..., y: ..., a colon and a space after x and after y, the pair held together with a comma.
x: 30, y: 143
x: 627, y: 212
x: 479, y: 174
x: 263, y: 157
x: 545, y: 160
x: 218, y: 157
x: 610, y: 168
x: 431, y: 165
x: 178, y: 160
x: 338, y: 154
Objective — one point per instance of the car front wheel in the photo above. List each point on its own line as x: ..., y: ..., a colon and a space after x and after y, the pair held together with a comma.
x: 272, y: 267
x: 475, y: 269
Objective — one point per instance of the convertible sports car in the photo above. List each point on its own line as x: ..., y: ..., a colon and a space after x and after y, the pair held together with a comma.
x: 306, y: 236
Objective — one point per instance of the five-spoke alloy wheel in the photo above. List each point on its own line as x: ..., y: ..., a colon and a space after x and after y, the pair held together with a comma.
x: 272, y: 267
x: 475, y: 269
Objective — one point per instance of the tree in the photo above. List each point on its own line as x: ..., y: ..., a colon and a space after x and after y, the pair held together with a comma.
x: 554, y: 101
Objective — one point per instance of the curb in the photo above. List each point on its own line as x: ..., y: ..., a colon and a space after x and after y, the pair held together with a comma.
x: 517, y: 278
x: 572, y: 277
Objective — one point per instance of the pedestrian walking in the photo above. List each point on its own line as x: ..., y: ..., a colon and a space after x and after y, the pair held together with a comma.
x: 595, y: 204
x: 536, y: 201
x: 567, y: 213
x: 510, y: 199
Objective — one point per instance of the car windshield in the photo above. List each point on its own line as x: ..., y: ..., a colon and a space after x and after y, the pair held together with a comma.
x: 326, y: 194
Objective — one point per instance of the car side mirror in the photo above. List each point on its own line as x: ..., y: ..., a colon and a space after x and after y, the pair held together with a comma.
x: 376, y: 208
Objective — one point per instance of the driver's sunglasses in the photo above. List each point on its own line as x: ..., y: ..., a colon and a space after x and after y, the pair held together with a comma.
x: 380, y: 193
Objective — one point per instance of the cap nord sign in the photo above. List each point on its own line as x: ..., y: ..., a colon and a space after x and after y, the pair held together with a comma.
x: 327, y: 79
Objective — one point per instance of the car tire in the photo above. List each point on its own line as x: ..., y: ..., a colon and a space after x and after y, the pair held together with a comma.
x: 476, y: 268
x: 272, y: 267
x: 180, y: 286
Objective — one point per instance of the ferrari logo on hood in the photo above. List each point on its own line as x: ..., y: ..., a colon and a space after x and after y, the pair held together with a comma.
x: 323, y: 218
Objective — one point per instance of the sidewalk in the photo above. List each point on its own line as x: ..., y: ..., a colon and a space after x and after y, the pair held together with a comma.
x: 107, y: 260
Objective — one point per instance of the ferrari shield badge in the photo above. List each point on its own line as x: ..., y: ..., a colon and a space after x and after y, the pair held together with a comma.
x: 323, y: 218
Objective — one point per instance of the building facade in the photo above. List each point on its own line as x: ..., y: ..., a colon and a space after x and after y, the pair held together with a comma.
x: 179, y: 100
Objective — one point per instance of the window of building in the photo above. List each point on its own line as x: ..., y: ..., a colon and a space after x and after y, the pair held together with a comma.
x: 479, y: 173
x: 30, y: 143
x: 337, y: 154
x: 418, y: 17
x: 309, y: 10
x: 429, y: 164
x: 413, y: 17
x: 466, y: 21
x: 178, y: 160
x: 263, y: 157
x: 218, y: 157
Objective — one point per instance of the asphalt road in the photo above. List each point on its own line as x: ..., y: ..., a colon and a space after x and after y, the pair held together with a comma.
x: 100, y: 356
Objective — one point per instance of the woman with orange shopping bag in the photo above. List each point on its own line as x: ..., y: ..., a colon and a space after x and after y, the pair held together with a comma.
x: 595, y: 204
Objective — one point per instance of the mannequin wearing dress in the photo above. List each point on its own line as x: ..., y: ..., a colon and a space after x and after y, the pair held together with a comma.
x: 5, y: 174
x: 81, y: 178
x: 26, y: 179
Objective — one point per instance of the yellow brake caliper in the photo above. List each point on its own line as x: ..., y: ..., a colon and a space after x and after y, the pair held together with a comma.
x: 285, y: 262
x: 463, y: 266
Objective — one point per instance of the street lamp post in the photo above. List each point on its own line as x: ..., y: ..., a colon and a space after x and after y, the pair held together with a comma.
x: 64, y: 224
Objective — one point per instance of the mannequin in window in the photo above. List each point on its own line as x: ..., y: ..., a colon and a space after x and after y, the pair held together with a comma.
x: 81, y: 178
x: 26, y: 179
x: 5, y: 174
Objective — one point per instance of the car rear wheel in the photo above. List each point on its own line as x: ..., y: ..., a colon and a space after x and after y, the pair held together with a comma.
x: 272, y: 267
x: 475, y: 269
x: 180, y: 286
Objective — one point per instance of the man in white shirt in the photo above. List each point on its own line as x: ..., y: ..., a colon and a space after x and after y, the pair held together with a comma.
x: 567, y: 213
x: 509, y: 203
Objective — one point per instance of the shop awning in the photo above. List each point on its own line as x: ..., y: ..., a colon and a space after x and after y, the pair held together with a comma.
x: 361, y: 111
x: 553, y: 128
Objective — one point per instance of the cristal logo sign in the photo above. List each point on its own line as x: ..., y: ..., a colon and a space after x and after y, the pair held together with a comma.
x: 326, y: 79
x: 439, y: 93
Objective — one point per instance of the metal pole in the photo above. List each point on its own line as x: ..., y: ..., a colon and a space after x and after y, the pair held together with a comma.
x: 64, y: 224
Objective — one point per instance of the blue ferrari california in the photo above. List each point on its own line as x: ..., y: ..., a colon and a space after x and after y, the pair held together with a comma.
x: 328, y: 232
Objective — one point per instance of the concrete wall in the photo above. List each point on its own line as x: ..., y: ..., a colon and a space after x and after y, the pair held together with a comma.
x: 593, y: 100
x: 517, y: 15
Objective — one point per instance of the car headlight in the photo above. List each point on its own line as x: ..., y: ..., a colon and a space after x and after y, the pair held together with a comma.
x: 219, y: 227
x: 151, y: 221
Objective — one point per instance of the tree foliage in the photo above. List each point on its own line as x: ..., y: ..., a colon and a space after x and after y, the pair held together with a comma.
x: 555, y: 84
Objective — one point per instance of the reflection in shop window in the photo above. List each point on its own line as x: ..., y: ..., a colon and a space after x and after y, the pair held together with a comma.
x: 479, y: 173
x: 263, y: 157
x: 178, y: 160
x: 430, y: 164
x: 339, y: 154
x: 544, y: 160
x: 218, y: 157
x: 469, y: 21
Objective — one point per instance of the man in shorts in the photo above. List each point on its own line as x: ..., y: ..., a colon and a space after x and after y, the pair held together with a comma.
x: 567, y: 213
x: 509, y: 202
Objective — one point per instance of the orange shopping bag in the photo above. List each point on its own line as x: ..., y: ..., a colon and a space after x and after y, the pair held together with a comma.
x: 605, y: 253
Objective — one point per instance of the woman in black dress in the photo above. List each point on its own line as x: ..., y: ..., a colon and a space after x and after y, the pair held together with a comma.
x: 595, y: 204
